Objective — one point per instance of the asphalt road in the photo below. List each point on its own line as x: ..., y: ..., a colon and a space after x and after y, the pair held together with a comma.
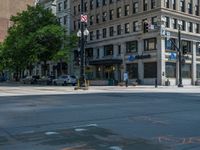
x: 101, y: 121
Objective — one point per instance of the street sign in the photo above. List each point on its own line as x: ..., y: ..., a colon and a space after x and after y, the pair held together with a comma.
x: 84, y: 18
x: 172, y: 56
x: 131, y: 58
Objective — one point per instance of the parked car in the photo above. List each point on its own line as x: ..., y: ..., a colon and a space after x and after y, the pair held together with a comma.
x: 50, y: 79
x: 31, y: 79
x: 65, y: 80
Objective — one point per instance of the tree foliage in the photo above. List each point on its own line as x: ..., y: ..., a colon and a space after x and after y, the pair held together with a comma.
x: 35, y: 36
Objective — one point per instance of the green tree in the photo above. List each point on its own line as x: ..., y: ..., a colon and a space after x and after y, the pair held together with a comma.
x: 35, y: 36
x: 69, y: 43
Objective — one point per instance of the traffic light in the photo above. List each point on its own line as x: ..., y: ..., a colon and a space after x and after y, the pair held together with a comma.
x: 146, y: 26
x: 185, y: 50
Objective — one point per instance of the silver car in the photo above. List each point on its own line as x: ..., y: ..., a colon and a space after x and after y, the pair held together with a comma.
x: 65, y: 80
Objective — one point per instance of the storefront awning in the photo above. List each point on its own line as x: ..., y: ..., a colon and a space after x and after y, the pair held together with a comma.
x: 105, y: 61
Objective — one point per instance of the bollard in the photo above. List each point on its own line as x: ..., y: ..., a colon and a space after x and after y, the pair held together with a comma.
x: 156, y: 83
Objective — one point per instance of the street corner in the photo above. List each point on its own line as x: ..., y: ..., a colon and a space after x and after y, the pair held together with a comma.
x: 89, y: 137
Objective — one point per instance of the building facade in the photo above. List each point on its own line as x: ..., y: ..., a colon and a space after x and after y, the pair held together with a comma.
x: 131, y: 36
x: 7, y: 9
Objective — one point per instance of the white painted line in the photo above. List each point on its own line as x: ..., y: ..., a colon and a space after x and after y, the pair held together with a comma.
x: 51, y: 133
x: 115, y: 148
x: 80, y: 130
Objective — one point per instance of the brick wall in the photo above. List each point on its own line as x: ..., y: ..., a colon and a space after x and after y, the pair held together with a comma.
x: 7, y: 9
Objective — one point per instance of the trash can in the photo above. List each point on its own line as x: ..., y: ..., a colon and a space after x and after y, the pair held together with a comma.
x: 167, y: 83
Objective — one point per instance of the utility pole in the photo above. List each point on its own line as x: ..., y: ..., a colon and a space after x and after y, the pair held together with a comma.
x: 180, y: 57
x: 82, y: 78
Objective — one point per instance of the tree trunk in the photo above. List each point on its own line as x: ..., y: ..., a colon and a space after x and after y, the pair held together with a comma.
x: 61, y: 67
x: 45, y: 68
x: 16, y: 76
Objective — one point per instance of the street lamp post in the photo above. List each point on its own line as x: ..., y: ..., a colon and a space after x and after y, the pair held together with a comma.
x: 180, y: 55
x: 82, y: 34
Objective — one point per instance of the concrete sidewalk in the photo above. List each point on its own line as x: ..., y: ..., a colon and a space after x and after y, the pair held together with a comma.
x: 17, y: 89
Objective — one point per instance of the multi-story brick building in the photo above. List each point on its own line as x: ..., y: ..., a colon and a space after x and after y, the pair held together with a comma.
x: 7, y: 9
x: 118, y: 41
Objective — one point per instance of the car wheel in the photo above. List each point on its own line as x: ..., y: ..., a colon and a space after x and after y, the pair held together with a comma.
x: 73, y: 84
x: 54, y: 83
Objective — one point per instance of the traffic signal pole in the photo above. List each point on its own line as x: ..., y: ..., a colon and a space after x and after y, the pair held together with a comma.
x: 180, y: 56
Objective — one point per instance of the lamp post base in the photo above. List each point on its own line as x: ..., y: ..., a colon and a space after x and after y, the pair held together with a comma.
x: 180, y: 85
x: 82, y: 81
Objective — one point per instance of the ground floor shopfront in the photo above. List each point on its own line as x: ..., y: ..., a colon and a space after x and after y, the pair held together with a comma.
x: 146, y: 60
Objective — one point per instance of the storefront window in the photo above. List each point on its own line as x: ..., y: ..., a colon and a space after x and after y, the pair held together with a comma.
x: 170, y: 70
x: 186, y: 71
x: 150, y: 70
x: 198, y: 71
x: 169, y: 44
x: 132, y: 70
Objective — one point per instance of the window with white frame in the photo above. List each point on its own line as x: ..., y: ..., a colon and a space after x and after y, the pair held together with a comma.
x: 108, y: 50
x: 111, y: 14
x: 154, y: 20
x: 104, y: 2
x: 104, y: 16
x: 190, y: 7
x: 97, y: 34
x: 119, y: 30
x: 91, y: 20
x: 153, y: 4
x: 196, y: 7
x: 167, y: 23
x: 97, y: 18
x: 119, y: 12
x: 131, y: 47
x: 150, y: 44
x: 182, y: 5
x: 104, y: 32
x: 135, y: 26
x: 91, y: 4
x: 135, y: 7
x: 174, y: 23
x: 166, y: 3
x: 190, y: 26
x: 111, y: 31
x: 127, y: 28
x: 145, y: 5
x: 196, y: 26
x: 126, y: 10
x: 65, y: 4
x: 174, y: 4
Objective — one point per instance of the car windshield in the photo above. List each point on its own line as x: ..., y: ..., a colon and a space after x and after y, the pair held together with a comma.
x: 64, y: 77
